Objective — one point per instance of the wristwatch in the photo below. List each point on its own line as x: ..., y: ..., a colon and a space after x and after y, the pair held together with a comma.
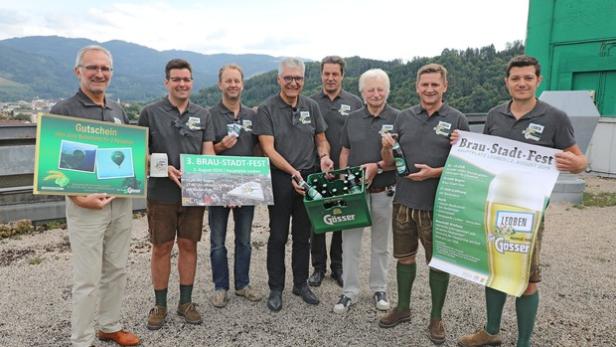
x: 379, y: 168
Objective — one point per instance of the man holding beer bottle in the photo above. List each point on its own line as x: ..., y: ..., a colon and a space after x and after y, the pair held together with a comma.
x: 423, y: 136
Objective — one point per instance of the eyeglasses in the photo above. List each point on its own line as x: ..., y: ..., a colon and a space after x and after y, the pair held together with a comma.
x: 180, y: 79
x: 289, y: 79
x: 96, y: 68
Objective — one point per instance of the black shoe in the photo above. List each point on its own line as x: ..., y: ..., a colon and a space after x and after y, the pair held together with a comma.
x: 337, y: 276
x: 316, y: 278
x: 274, y: 302
x: 306, y: 294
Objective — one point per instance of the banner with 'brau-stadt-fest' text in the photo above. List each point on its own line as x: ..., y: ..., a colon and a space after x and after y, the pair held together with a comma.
x: 488, y: 207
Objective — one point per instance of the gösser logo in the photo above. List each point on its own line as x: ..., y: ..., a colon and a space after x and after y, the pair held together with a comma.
x: 331, y: 220
x: 503, y: 246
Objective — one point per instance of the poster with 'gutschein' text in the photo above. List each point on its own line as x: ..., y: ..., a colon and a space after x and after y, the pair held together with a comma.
x: 488, y: 207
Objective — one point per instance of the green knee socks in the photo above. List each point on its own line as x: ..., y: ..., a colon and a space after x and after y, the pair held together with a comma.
x: 526, y: 310
x: 185, y: 293
x: 405, y: 275
x: 495, y: 300
x: 161, y: 297
x: 439, y: 281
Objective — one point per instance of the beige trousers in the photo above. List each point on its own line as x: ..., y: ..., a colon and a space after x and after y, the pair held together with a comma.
x: 100, y: 241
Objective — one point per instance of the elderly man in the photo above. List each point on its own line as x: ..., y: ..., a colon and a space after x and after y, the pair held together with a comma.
x: 551, y: 128
x: 424, y: 135
x: 177, y: 126
x: 335, y: 104
x: 291, y: 132
x: 99, y: 226
x: 229, y: 112
x: 361, y: 145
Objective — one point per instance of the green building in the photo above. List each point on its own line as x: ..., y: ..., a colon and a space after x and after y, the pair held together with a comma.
x: 575, y: 41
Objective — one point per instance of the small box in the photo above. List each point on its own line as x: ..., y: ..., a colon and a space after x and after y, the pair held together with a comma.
x: 342, y: 211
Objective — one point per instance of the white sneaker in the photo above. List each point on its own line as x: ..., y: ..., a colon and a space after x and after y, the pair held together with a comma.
x: 219, y: 299
x: 380, y: 301
x: 343, y: 305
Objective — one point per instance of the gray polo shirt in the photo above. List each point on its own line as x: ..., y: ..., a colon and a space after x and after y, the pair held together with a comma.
x: 335, y: 112
x: 544, y: 125
x: 221, y: 116
x: 362, y: 135
x: 424, y: 140
x: 293, y: 129
x: 80, y: 105
x: 174, y: 133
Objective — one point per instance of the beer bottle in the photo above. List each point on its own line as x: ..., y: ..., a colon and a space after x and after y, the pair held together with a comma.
x: 352, y: 183
x: 401, y: 167
x: 312, y: 193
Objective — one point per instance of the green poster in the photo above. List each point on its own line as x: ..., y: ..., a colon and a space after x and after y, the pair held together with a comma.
x: 488, y: 207
x: 76, y: 156
x: 215, y: 180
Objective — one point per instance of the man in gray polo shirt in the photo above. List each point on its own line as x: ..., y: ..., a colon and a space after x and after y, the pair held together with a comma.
x: 291, y: 132
x: 361, y: 145
x: 335, y: 104
x: 423, y: 133
x: 226, y: 115
x: 99, y: 226
x: 529, y: 120
x: 176, y: 127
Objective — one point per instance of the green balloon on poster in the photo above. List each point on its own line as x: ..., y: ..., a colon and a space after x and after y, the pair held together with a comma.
x: 117, y: 157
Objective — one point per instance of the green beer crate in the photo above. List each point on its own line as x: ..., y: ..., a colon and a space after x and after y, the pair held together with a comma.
x: 342, y: 211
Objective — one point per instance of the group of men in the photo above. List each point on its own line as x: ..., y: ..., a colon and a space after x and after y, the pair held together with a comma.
x: 300, y: 136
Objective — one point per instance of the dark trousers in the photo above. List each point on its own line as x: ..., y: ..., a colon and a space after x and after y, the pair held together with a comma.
x: 318, y: 251
x: 288, y: 206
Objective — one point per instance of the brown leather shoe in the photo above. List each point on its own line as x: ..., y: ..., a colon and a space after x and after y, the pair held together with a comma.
x: 121, y: 337
x: 156, y: 317
x: 436, y: 331
x: 480, y: 338
x: 395, y: 317
x: 190, y: 313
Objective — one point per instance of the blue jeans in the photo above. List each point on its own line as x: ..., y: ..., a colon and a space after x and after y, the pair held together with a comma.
x: 218, y: 217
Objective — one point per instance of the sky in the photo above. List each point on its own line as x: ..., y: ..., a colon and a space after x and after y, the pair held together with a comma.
x: 377, y: 29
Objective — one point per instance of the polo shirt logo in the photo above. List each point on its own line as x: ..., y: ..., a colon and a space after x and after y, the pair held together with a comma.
x: 117, y: 120
x: 533, y: 132
x: 344, y: 109
x: 247, y: 124
x: 193, y: 123
x: 304, y: 117
x: 443, y: 128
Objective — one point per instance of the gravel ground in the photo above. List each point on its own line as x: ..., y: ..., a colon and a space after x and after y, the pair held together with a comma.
x: 577, y: 306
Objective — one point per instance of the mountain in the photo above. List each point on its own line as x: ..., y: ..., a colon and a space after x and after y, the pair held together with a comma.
x: 475, y: 77
x: 41, y: 66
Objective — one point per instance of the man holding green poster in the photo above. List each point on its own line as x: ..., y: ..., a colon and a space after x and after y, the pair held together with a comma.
x: 99, y: 226
x: 525, y: 119
x: 423, y: 134
x: 177, y: 126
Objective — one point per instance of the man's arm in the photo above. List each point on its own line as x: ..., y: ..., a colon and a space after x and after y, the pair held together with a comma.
x: 322, y: 144
x: 227, y: 142
x: 208, y: 148
x: 571, y: 159
x: 267, y: 145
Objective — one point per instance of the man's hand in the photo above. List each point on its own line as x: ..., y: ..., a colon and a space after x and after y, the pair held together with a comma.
x: 425, y: 172
x: 371, y: 172
x: 92, y: 201
x: 567, y: 161
x: 326, y: 163
x: 454, y: 137
x: 387, y: 141
x: 296, y: 186
x: 228, y: 141
x: 175, y: 175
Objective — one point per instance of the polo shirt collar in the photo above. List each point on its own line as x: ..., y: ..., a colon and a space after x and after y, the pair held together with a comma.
x: 539, y: 109
x: 367, y: 113
x: 441, y: 111
x: 227, y: 112
x: 86, y: 101
x: 168, y: 106
x: 282, y: 104
x: 325, y: 96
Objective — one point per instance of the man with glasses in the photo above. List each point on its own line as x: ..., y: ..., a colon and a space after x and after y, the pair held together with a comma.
x: 232, y: 123
x: 99, y: 226
x: 291, y: 132
x: 335, y: 104
x: 177, y: 126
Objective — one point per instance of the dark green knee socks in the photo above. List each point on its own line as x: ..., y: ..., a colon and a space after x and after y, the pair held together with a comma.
x: 495, y: 300
x: 161, y: 297
x: 185, y: 293
x: 405, y: 275
x: 439, y: 281
x: 526, y: 310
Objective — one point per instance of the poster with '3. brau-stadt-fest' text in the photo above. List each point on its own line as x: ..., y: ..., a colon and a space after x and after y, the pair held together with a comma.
x: 489, y: 205
x: 77, y: 156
